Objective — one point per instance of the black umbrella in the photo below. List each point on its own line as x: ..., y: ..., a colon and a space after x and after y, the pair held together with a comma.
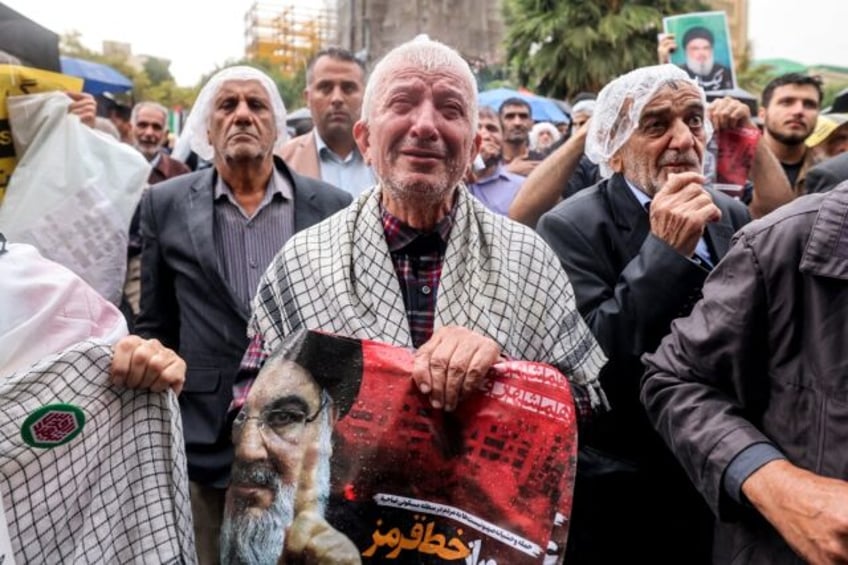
x: 34, y: 45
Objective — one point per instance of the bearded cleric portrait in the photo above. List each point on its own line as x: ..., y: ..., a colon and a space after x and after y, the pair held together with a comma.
x: 704, y: 52
x: 282, y: 437
x: 339, y: 458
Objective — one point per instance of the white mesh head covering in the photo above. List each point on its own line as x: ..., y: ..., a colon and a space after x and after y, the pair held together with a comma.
x: 619, y: 106
x: 194, y: 135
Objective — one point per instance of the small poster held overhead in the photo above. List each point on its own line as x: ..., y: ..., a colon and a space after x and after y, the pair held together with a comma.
x: 703, y: 48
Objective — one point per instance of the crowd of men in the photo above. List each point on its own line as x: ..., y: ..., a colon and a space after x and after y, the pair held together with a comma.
x: 617, y: 256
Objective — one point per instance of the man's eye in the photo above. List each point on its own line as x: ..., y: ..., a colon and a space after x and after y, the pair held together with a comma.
x: 696, y: 121
x: 452, y: 112
x: 279, y: 419
x: 653, y: 127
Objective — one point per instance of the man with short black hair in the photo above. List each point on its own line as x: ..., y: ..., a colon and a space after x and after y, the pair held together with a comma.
x: 516, y: 121
x: 790, y: 108
x: 493, y: 185
x: 335, y: 82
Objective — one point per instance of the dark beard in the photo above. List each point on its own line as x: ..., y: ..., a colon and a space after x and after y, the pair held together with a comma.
x: 790, y: 140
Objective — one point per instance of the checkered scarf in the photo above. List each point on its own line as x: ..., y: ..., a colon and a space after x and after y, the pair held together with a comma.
x: 115, y: 493
x: 499, y: 279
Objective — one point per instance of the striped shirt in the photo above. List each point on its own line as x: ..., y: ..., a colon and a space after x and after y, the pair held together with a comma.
x: 246, y: 244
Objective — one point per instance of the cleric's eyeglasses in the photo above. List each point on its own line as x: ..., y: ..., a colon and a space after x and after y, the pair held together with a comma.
x: 286, y: 424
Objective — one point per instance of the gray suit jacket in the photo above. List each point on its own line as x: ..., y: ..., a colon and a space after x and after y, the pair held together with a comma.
x: 187, y: 304
x: 827, y: 174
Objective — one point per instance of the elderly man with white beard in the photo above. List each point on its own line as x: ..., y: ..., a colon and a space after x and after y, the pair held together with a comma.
x: 283, y: 442
x: 637, y: 247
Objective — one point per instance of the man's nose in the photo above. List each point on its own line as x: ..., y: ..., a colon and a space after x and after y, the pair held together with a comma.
x: 682, y: 137
x: 425, y: 122
x: 798, y: 107
x: 242, y: 111
x: 250, y: 445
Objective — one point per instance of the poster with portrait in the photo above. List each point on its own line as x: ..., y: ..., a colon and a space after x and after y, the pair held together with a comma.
x: 489, y: 483
x: 703, y: 48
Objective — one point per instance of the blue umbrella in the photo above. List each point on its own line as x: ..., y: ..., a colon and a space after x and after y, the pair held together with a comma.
x: 542, y: 109
x: 99, y: 78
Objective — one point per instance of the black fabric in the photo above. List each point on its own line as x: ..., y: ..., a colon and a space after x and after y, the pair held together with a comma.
x: 34, y: 45
x: 792, y: 170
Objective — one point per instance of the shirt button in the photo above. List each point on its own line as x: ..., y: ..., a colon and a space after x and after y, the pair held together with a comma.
x: 425, y: 290
x: 252, y: 264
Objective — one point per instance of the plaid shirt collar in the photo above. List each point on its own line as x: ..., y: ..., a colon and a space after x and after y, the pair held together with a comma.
x: 399, y: 234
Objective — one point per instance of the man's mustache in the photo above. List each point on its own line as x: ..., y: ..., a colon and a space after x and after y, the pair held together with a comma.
x: 259, y: 474
x: 679, y: 159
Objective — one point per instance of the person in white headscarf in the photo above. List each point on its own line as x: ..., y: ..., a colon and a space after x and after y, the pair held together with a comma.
x: 543, y: 136
x: 207, y: 237
x: 637, y: 247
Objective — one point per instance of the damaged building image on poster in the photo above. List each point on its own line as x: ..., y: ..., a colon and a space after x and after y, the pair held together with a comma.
x: 339, y: 459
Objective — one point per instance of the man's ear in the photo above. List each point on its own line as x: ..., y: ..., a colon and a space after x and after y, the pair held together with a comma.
x: 616, y: 162
x: 361, y: 135
x: 761, y: 113
x: 475, y: 146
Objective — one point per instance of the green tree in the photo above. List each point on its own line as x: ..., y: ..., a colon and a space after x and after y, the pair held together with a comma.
x: 158, y: 70
x: 153, y: 82
x: 560, y: 47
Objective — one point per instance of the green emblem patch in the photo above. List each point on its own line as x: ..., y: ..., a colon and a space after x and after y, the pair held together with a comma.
x: 52, y: 425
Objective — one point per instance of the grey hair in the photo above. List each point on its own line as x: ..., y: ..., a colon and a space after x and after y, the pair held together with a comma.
x: 426, y: 55
x: 155, y: 105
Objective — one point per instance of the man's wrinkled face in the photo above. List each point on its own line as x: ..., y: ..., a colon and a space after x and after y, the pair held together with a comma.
x: 491, y: 139
x: 149, y: 131
x: 669, y: 138
x: 837, y: 142
x: 241, y: 124
x: 699, y: 56
x: 334, y: 97
x: 517, y: 123
x: 419, y: 136
x: 792, y: 113
x: 282, y: 441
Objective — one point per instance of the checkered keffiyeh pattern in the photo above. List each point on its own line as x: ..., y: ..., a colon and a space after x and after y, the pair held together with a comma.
x: 115, y: 493
x: 498, y: 278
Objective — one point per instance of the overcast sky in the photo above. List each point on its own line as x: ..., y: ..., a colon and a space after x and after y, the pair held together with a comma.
x: 196, y: 36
